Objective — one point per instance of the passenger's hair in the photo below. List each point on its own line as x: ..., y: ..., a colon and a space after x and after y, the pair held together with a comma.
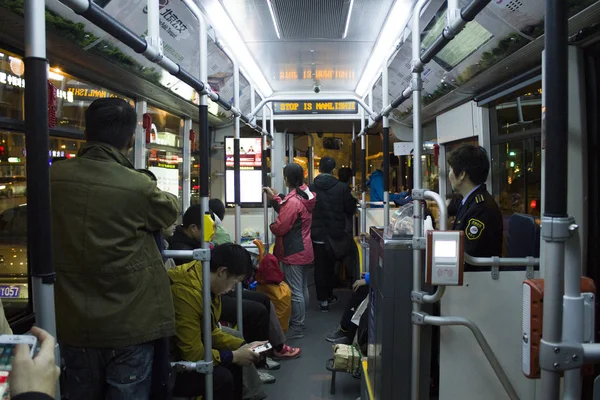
x: 217, y: 207
x: 326, y: 165
x: 294, y: 174
x: 110, y: 120
x: 192, y: 216
x: 471, y: 159
x: 233, y: 257
x: 345, y: 174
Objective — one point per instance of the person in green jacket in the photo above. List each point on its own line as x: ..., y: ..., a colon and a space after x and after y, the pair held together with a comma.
x: 113, y: 300
x: 229, y: 265
x: 221, y: 235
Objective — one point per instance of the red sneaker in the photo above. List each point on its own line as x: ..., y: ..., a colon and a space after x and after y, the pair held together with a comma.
x: 287, y: 352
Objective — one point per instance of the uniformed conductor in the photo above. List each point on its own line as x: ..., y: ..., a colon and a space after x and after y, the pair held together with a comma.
x: 477, y: 214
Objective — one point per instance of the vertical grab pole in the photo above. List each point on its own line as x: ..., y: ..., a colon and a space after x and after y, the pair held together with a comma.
x: 354, y: 156
x: 573, y: 311
x: 39, y: 222
x: 417, y: 67
x: 363, y: 197
x: 555, y: 218
x: 354, y: 175
x: 386, y: 149
x: 266, y: 180
x: 237, y: 181
x: 204, y: 137
x: 311, y: 158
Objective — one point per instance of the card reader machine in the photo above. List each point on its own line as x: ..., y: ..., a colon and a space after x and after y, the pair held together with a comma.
x: 445, y: 258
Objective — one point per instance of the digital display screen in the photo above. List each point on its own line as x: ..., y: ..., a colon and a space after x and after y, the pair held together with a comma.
x: 250, y: 186
x: 471, y: 38
x: 250, y: 152
x: 250, y: 172
x: 315, y: 107
x: 445, y: 249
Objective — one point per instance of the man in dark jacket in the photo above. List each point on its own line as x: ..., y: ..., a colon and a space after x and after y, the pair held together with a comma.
x: 113, y: 298
x: 330, y: 238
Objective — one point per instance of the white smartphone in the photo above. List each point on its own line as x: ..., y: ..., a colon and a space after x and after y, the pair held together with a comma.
x: 7, y: 348
x: 262, y: 348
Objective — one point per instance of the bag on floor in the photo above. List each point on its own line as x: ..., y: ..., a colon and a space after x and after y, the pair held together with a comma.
x: 346, y: 358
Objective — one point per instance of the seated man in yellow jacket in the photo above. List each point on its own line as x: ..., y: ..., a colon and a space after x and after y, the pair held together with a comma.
x: 229, y: 264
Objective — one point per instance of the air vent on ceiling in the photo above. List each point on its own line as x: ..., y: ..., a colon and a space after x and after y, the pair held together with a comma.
x: 510, y: 5
x: 514, y: 5
x: 311, y: 19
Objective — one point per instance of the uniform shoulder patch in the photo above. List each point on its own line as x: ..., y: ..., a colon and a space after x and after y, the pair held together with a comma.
x: 479, y: 198
x: 474, y: 229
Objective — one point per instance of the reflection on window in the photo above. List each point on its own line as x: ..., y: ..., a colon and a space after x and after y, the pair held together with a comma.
x: 12, y: 86
x: 14, y: 288
x: 72, y: 95
x: 519, y: 112
x: 164, y: 156
x: 167, y: 128
x: 167, y: 166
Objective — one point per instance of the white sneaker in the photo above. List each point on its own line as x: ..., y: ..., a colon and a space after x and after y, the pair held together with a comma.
x: 265, y: 377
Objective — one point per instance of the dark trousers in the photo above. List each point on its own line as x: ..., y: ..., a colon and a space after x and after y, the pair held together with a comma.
x: 108, y: 373
x: 357, y: 297
x: 324, y: 271
x: 256, y: 308
x: 227, y: 383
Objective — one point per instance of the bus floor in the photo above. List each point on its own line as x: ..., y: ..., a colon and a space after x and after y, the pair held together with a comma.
x: 306, y: 377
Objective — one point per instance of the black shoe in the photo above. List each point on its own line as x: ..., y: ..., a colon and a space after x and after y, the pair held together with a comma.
x: 338, y: 337
x: 332, y: 300
x: 324, y: 308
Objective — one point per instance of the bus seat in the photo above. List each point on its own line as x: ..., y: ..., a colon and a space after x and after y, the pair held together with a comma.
x: 523, y: 236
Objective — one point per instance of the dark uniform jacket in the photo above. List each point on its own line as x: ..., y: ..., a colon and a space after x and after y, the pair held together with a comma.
x: 481, y: 221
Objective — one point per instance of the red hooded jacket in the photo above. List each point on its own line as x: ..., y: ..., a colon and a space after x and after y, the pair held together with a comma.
x: 292, y: 227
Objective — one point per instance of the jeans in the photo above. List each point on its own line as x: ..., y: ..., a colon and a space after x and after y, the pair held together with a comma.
x: 104, y: 373
x: 255, y: 314
x: 296, y: 277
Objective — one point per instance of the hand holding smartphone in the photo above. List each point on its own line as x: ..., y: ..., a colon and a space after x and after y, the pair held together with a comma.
x: 262, y: 348
x: 35, y: 374
x: 7, y: 348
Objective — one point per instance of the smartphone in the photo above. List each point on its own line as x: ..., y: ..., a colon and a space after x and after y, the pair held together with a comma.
x: 262, y: 348
x: 7, y: 348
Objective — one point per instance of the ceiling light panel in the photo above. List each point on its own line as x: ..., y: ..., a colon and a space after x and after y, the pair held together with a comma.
x: 311, y: 19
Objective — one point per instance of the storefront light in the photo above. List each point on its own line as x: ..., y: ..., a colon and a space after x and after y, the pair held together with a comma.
x: 55, y: 76
x: 14, y: 160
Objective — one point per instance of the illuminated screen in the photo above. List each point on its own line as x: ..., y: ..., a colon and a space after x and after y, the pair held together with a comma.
x: 250, y: 186
x: 445, y: 249
x: 315, y: 107
x: 472, y: 37
x: 250, y: 152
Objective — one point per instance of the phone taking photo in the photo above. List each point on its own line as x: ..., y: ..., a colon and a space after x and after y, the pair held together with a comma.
x: 7, y: 348
x: 262, y: 348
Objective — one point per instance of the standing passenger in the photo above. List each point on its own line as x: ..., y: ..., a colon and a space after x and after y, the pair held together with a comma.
x: 293, y: 246
x: 331, y: 240
x: 477, y: 214
x: 113, y: 299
